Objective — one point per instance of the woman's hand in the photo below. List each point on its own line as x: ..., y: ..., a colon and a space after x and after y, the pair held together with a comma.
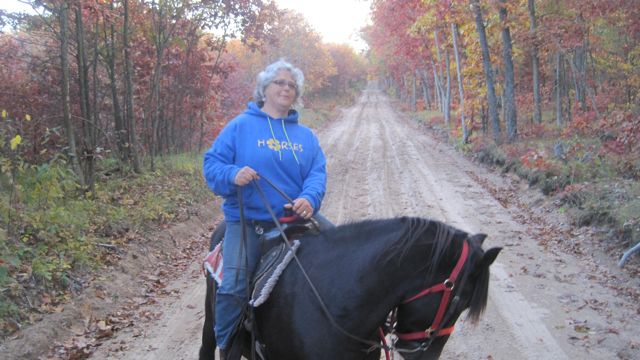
x: 302, y: 207
x: 245, y: 176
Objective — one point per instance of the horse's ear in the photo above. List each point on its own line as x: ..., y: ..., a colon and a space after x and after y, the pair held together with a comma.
x: 490, y: 256
x: 479, y: 238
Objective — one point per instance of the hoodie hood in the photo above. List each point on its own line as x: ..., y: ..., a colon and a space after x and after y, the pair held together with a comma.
x: 254, y: 110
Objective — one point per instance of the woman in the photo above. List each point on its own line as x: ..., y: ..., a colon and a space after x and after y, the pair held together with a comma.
x: 266, y: 140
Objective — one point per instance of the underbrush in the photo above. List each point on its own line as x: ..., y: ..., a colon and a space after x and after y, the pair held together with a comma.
x: 591, y: 174
x: 315, y: 118
x: 322, y: 109
x: 52, y: 235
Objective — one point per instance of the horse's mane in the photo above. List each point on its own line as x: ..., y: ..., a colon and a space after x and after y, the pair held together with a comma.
x: 480, y: 295
x: 400, y: 235
x: 404, y: 233
x: 414, y: 233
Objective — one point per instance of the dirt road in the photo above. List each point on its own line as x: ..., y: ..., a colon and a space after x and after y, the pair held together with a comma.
x: 545, y: 303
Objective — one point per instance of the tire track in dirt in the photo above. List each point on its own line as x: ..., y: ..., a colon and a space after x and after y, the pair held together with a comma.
x: 343, y: 167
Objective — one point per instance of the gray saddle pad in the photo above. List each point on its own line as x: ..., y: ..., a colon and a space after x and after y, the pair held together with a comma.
x: 271, y: 266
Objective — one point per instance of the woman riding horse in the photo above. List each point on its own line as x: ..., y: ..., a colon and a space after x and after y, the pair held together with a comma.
x: 268, y: 140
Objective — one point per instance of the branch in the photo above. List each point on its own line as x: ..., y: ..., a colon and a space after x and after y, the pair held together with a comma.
x: 109, y: 246
x: 628, y: 253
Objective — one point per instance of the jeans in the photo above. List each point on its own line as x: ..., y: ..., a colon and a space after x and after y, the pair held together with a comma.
x: 232, y: 295
x: 238, y: 265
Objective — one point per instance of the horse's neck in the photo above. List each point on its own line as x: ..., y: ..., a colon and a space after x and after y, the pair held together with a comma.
x: 357, y: 268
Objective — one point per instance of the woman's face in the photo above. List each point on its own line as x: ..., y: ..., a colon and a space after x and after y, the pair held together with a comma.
x: 281, y: 92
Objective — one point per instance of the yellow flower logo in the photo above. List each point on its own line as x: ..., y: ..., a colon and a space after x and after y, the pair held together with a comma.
x: 274, y: 144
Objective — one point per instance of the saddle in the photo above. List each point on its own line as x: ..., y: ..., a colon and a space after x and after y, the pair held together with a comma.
x: 276, y: 256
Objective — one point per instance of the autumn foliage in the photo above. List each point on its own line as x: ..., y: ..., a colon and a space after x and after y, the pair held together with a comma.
x: 575, y: 66
x: 93, y: 92
x: 193, y: 66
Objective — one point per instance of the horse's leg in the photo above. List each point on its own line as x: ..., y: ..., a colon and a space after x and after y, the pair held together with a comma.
x: 208, y: 347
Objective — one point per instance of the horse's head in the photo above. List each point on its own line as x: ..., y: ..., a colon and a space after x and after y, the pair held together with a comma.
x: 458, y: 280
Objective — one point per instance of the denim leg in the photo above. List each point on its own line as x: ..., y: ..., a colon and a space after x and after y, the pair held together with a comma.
x: 232, y: 293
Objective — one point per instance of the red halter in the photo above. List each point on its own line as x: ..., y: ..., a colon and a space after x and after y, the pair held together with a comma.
x: 446, y: 287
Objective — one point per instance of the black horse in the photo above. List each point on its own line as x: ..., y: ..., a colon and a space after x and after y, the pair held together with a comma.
x: 424, y: 272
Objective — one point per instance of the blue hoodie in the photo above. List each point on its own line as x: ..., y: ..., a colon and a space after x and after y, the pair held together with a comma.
x: 286, y: 153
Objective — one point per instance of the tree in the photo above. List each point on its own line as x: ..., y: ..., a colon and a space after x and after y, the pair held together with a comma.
x: 535, y: 64
x: 465, y: 130
x: 88, y: 121
x: 299, y: 43
x: 72, y: 153
x: 511, y: 115
x: 130, y: 120
x: 492, y: 101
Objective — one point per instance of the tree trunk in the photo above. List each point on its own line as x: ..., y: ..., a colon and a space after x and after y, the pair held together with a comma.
x: 580, y: 68
x: 156, y: 111
x: 88, y: 144
x: 120, y: 131
x: 511, y: 114
x: 447, y: 97
x: 414, y: 91
x: 488, y: 71
x: 66, y: 102
x: 425, y: 90
x: 130, y: 109
x: 96, y: 86
x: 580, y: 78
x: 465, y: 131
x: 441, y: 90
x: 437, y: 86
x: 537, y: 107
x: 558, y: 93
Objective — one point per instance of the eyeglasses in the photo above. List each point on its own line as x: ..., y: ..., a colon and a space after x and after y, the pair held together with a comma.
x: 282, y: 83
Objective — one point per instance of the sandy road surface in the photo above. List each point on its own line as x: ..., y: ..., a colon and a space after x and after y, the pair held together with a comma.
x: 544, y: 303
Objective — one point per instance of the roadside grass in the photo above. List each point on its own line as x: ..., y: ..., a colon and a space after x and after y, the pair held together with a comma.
x: 323, y: 109
x: 594, y: 185
x: 315, y: 118
x: 52, y: 235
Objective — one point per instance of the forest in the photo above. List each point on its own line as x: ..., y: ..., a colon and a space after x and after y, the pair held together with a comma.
x: 545, y: 89
x: 107, y: 105
x: 103, y: 100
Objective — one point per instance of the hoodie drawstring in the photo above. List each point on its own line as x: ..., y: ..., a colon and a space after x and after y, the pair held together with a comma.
x: 273, y: 136
x: 290, y: 143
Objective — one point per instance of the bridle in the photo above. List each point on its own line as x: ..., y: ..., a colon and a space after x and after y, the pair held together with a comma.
x: 446, y: 303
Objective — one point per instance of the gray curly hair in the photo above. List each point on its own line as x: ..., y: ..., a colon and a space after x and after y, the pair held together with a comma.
x: 266, y: 76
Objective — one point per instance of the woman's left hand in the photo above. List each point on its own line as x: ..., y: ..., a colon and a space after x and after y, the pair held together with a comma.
x: 302, y: 207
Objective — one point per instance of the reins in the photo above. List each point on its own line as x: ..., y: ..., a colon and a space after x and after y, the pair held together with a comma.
x: 373, y: 345
x: 430, y: 333
x: 245, y: 247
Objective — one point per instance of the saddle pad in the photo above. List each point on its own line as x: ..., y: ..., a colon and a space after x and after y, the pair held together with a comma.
x: 213, y: 264
x: 270, y: 268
